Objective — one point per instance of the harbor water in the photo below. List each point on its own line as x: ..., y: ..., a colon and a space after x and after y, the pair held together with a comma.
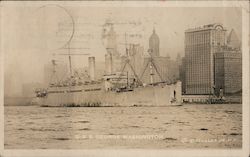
x: 187, y: 126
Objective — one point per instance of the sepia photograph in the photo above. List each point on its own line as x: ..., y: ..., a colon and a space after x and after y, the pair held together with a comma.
x: 125, y: 76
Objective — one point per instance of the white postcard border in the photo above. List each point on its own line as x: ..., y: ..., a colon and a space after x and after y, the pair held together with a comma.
x: 143, y: 152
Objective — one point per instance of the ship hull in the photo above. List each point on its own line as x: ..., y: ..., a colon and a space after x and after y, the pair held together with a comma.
x: 161, y: 95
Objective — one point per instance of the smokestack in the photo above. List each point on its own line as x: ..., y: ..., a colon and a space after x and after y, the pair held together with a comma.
x: 92, y: 68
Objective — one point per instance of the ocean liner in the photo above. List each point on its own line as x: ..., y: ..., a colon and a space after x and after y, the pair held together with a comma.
x: 113, y: 89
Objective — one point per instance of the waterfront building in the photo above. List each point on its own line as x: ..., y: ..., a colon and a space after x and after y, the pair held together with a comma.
x: 228, y: 72
x: 200, y: 46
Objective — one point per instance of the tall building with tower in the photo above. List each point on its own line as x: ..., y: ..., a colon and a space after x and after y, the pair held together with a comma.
x: 212, y: 62
x: 200, y: 45
x: 154, y: 44
x: 112, y: 57
x: 157, y: 68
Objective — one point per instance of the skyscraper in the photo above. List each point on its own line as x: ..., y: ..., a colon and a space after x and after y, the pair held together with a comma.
x: 112, y: 57
x: 154, y: 44
x: 157, y: 68
x: 200, y: 45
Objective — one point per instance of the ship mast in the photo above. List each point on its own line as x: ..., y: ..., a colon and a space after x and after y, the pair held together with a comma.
x: 151, y: 74
x: 152, y: 66
x: 127, y: 62
x: 67, y: 44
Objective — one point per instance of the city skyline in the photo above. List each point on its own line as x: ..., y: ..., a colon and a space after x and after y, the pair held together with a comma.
x: 125, y: 75
x: 171, y: 35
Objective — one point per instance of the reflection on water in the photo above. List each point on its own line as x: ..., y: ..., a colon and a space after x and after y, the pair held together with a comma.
x: 187, y: 126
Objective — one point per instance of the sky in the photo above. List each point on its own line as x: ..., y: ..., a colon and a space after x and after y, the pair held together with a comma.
x: 31, y: 35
